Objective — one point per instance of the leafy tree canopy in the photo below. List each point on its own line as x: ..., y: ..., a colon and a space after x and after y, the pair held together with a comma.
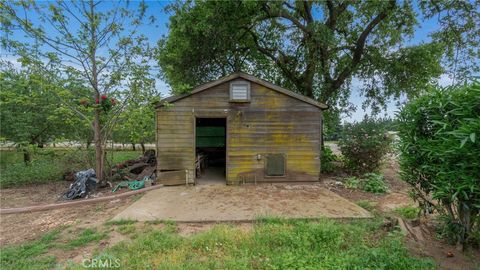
x: 317, y: 47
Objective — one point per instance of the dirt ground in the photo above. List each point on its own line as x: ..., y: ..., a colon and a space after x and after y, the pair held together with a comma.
x: 19, y: 228
x: 16, y: 228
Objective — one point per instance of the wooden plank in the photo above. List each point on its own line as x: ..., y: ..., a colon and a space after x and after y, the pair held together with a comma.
x: 170, y: 178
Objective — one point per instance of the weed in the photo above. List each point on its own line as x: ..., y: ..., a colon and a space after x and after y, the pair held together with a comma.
x: 352, y: 182
x: 127, y: 229
x: 84, y: 238
x: 373, y: 182
x: 120, y: 222
x: 370, y: 182
x: 29, y: 255
x: 408, y: 212
x: 366, y: 204
x: 273, y: 243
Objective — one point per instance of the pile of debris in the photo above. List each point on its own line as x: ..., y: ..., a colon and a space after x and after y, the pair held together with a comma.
x: 137, y: 173
x: 84, y: 183
x: 136, y: 169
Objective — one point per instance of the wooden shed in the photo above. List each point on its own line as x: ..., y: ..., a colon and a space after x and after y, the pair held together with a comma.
x: 238, y: 129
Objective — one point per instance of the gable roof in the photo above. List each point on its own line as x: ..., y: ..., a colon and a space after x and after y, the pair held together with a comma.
x: 247, y: 77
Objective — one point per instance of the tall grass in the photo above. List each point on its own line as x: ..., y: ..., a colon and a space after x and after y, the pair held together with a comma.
x: 50, y: 165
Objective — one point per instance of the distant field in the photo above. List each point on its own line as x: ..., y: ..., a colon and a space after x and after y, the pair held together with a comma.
x: 51, y: 164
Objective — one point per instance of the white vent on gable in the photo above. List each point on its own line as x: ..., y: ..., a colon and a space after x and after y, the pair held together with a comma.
x: 240, y: 91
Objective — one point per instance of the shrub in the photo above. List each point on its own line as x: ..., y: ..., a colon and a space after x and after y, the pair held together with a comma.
x: 375, y: 183
x: 327, y: 160
x: 364, y: 145
x: 440, y: 155
x: 370, y: 182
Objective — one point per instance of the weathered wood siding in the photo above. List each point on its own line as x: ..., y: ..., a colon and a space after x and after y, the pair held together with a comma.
x: 270, y: 123
x: 175, y: 146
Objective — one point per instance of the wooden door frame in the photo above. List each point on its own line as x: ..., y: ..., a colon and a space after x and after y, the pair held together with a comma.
x: 227, y: 135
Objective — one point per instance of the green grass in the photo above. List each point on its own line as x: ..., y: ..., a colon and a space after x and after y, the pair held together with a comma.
x: 86, y: 237
x: 272, y: 244
x: 50, y: 165
x: 366, y: 204
x: 31, y: 255
x: 408, y: 212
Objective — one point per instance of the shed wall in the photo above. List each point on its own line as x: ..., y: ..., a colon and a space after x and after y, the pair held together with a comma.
x: 270, y: 123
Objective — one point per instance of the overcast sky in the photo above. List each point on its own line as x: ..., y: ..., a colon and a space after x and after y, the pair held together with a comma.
x: 155, y: 32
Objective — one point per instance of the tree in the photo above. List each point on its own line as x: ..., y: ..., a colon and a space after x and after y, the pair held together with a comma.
x: 28, y: 113
x: 138, y: 118
x: 316, y: 48
x: 97, y: 42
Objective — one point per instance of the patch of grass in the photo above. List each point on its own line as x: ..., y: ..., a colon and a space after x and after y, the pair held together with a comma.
x: 121, y: 222
x: 366, y: 204
x: 84, y: 238
x: 127, y: 229
x: 408, y: 212
x: 30, y: 255
x: 271, y: 244
x: 154, y: 222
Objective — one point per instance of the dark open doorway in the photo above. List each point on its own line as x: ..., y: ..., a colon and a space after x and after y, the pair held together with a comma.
x: 210, y: 149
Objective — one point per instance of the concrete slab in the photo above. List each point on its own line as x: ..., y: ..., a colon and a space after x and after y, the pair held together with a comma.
x: 216, y: 203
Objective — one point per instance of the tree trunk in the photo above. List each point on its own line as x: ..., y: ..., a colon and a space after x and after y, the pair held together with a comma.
x: 98, y: 147
x: 142, y: 144
x: 27, y: 158
x: 133, y: 147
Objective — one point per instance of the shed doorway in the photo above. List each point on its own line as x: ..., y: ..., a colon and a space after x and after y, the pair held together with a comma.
x: 210, y: 150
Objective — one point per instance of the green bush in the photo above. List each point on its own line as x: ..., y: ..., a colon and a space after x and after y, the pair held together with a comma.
x: 373, y: 182
x: 327, y: 160
x: 370, y: 182
x: 364, y: 145
x: 440, y: 155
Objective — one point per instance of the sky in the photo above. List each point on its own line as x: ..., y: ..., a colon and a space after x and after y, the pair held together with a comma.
x: 160, y: 28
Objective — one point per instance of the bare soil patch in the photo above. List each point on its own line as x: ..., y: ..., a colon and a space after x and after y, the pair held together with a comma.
x: 17, y: 228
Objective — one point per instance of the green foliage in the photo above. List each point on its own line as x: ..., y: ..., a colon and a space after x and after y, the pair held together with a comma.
x: 272, y: 243
x: 318, y: 55
x: 408, y: 212
x: 364, y: 145
x: 328, y: 157
x: 440, y: 154
x: 370, y: 182
x: 352, y: 182
x: 49, y: 165
x: 30, y: 112
x: 373, y: 182
x: 30, y: 255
